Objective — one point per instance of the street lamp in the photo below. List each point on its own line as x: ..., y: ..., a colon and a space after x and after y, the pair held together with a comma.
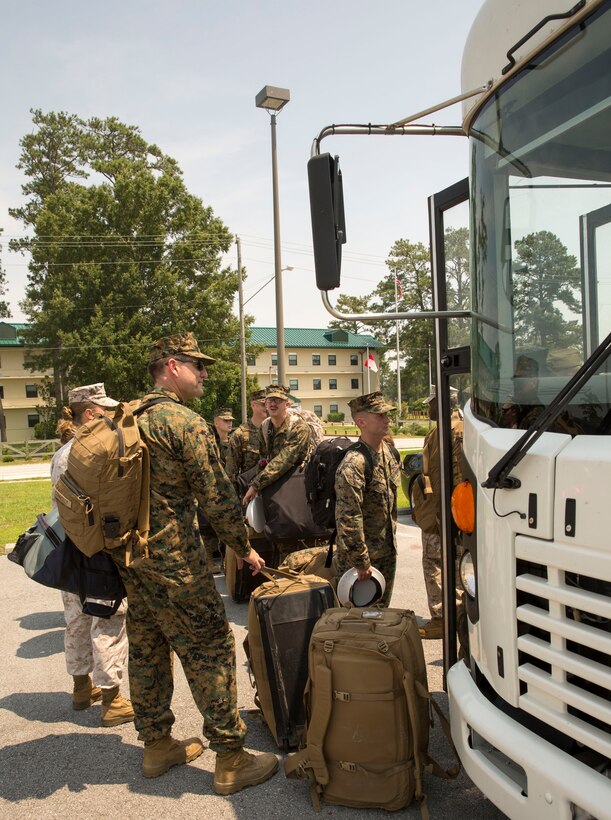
x: 273, y: 100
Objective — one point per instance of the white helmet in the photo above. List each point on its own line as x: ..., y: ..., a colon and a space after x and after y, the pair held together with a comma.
x: 352, y: 592
x: 255, y: 514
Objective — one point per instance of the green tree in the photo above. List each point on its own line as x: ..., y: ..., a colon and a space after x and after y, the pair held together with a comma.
x: 352, y: 305
x: 5, y: 311
x: 120, y: 254
x: 546, y: 285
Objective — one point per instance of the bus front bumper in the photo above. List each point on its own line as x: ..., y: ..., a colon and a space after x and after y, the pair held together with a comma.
x: 522, y: 774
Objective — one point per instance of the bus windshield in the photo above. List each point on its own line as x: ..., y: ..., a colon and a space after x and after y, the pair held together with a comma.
x: 541, y: 231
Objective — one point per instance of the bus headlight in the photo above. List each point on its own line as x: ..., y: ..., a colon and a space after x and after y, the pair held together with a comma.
x: 467, y: 575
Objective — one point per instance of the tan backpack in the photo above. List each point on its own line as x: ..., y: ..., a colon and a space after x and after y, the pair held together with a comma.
x: 103, y: 498
x: 367, y: 704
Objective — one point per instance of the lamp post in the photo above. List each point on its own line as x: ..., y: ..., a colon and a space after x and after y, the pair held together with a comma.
x: 274, y: 99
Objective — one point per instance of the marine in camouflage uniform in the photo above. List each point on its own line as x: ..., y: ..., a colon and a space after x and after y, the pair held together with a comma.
x: 221, y: 429
x: 366, y: 505
x: 243, y: 450
x: 427, y: 512
x: 284, y: 441
x: 173, y: 602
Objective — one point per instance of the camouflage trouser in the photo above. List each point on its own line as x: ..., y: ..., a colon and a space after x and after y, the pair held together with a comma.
x: 174, y: 605
x: 97, y: 645
x: 384, y: 559
x: 431, y: 568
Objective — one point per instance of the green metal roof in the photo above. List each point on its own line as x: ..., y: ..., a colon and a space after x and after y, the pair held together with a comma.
x: 313, y: 337
x: 10, y: 334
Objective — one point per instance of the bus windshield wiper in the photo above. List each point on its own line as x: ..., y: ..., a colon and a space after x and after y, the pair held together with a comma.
x: 498, y: 477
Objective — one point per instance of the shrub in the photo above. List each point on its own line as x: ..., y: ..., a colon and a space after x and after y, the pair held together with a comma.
x: 335, y: 417
x: 7, y: 458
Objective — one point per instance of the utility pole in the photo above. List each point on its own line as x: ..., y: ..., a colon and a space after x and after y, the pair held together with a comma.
x: 398, y: 359
x: 242, y: 331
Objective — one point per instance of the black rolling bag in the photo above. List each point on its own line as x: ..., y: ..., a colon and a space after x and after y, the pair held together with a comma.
x: 241, y: 582
x: 281, y: 616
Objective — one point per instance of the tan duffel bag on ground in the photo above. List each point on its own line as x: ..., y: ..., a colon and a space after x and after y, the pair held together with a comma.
x: 367, y: 709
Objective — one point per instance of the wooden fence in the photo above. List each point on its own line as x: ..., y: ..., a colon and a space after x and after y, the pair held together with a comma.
x: 33, y: 448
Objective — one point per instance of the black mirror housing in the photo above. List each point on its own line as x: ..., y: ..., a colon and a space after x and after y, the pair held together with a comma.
x: 328, y: 219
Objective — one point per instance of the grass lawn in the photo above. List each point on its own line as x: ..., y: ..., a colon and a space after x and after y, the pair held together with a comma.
x: 20, y: 503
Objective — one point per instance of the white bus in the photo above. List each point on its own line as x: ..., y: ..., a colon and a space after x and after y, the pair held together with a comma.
x: 531, y: 710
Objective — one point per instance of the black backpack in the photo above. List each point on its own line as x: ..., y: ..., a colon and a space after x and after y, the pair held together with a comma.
x: 320, y: 476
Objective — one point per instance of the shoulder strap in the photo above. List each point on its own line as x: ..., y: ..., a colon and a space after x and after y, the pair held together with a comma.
x: 361, y: 447
x: 139, y: 538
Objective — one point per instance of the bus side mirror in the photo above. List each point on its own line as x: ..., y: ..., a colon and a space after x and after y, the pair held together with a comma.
x: 328, y: 221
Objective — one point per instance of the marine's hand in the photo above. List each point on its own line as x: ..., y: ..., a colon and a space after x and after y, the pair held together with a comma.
x: 363, y: 574
x: 254, y: 559
x: 250, y: 494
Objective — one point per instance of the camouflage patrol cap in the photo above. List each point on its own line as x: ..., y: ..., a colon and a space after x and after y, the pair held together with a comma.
x: 370, y: 403
x: 180, y: 344
x: 277, y: 391
x: 95, y: 393
x: 223, y: 413
x: 258, y: 396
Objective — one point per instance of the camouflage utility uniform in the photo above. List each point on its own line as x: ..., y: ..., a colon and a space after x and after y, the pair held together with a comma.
x: 173, y: 602
x: 427, y: 513
x: 92, y: 645
x: 243, y: 450
x: 366, y: 514
x: 283, y: 448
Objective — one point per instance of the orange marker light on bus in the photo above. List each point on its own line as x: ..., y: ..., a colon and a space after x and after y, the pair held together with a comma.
x: 463, y: 507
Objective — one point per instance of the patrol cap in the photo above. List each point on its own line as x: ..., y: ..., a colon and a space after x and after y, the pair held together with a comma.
x: 277, y: 391
x: 258, y: 396
x: 95, y: 393
x: 180, y: 344
x: 223, y: 413
x: 526, y: 366
x: 370, y: 403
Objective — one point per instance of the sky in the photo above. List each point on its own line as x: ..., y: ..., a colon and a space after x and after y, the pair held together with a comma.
x: 187, y: 74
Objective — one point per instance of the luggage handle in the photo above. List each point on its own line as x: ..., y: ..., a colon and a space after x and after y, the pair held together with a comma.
x: 283, y: 573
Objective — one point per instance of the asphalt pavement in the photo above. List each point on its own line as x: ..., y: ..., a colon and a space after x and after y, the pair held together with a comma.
x: 58, y: 763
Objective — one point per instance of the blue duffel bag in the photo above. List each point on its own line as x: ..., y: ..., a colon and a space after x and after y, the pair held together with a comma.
x: 50, y: 558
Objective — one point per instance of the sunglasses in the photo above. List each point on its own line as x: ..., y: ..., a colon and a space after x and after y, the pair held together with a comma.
x: 197, y: 363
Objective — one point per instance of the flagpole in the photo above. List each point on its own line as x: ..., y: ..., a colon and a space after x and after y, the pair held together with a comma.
x: 398, y: 360
x: 368, y: 371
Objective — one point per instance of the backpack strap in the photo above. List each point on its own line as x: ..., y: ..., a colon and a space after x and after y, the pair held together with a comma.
x: 430, y: 765
x: 138, y: 539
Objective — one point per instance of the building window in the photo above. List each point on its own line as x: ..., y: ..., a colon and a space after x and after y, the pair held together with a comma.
x: 316, y: 384
x: 332, y: 359
x: 274, y: 379
x: 332, y: 384
x: 251, y: 361
x: 354, y: 384
x: 33, y: 419
x: 354, y: 359
x: 1, y: 391
x: 293, y: 384
x: 315, y: 358
x: 292, y: 359
x: 274, y: 358
x: 333, y: 408
x: 318, y: 410
x: 31, y: 391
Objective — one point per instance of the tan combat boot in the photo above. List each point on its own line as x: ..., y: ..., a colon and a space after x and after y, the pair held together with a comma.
x: 115, y: 709
x: 84, y: 692
x: 237, y: 769
x: 433, y: 630
x: 160, y: 755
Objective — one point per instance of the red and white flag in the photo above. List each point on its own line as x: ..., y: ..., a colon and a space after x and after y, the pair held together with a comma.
x: 371, y: 363
x: 399, y: 288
